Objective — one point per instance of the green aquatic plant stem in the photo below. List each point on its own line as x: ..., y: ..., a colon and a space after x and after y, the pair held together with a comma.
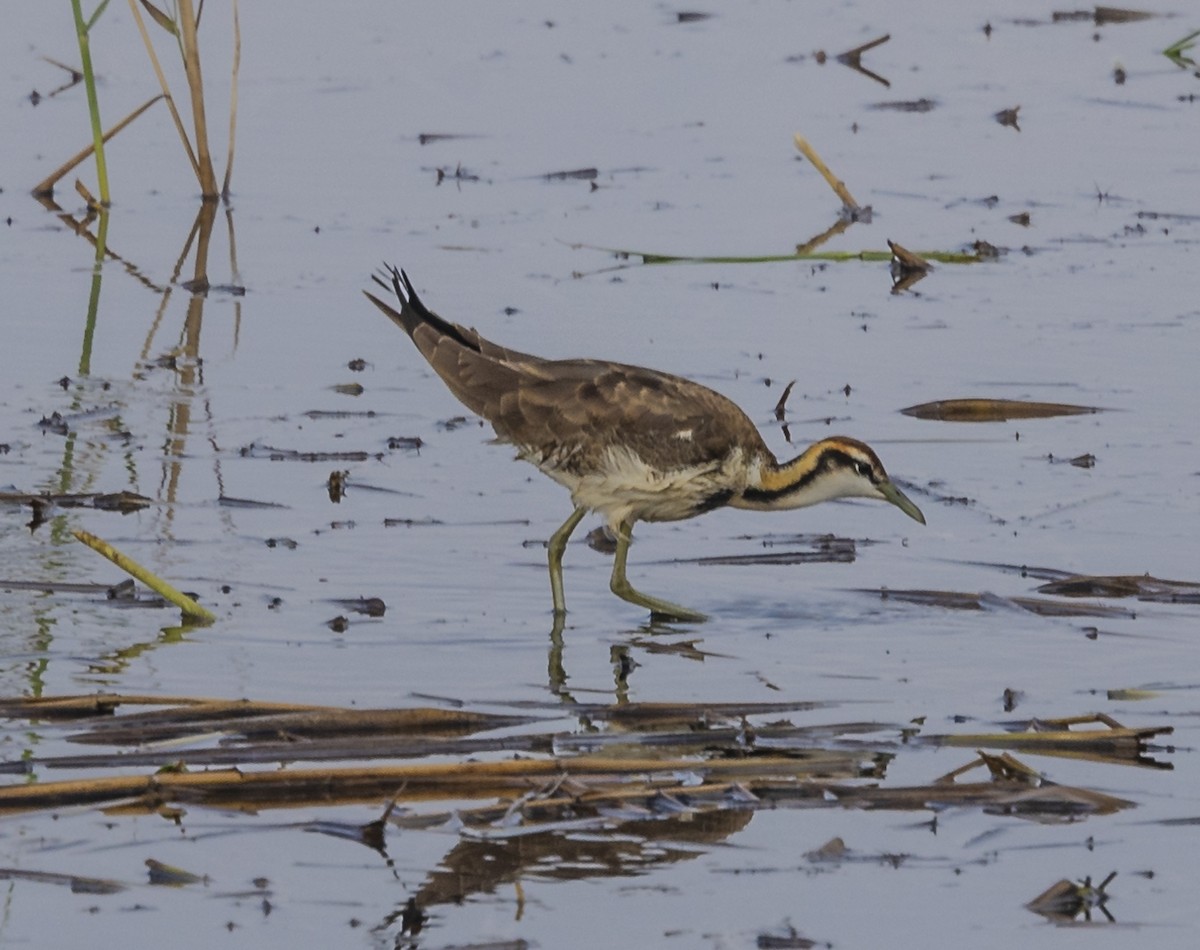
x: 82, y: 30
x: 190, y: 608
x: 1175, y: 51
x: 940, y: 257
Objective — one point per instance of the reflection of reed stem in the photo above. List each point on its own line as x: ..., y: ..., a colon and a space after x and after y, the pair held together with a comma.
x: 89, y: 330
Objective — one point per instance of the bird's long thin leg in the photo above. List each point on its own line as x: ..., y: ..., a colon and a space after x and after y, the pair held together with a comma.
x: 556, y: 547
x: 622, y: 588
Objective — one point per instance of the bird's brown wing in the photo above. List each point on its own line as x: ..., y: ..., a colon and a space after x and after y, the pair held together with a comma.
x: 577, y: 409
x: 573, y: 411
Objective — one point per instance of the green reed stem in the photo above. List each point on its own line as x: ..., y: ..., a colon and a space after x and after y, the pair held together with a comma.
x: 82, y: 30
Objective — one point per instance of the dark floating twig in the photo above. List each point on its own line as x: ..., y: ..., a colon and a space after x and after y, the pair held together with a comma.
x: 226, y: 502
x: 339, y: 414
x: 781, y: 406
x: 1142, y: 586
x: 368, y: 606
x: 853, y: 59
x: 428, y: 138
x: 122, y: 501
x: 256, y: 451
x: 75, y: 74
x: 77, y: 884
x: 458, y: 174
x: 581, y: 174
x: 1008, y: 117
x: 906, y: 105
x: 792, y: 939
x: 967, y: 600
x: 110, y: 591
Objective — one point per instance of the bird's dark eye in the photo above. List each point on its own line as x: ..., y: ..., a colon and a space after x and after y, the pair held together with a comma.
x: 861, y: 470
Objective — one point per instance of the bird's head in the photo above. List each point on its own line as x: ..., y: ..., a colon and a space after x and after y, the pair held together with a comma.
x: 836, y: 467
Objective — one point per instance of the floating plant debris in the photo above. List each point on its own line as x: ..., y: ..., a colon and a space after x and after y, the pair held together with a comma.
x: 993, y: 410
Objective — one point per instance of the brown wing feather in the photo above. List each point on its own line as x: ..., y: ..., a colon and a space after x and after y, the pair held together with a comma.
x: 574, y: 410
x: 582, y: 407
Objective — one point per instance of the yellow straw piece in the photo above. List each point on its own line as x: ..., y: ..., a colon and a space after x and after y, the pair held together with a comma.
x: 181, y: 600
x: 838, y: 186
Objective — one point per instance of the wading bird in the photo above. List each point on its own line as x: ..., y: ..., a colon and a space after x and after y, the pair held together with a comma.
x: 629, y: 443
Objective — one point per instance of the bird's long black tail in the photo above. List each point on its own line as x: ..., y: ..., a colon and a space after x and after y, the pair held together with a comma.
x: 412, y: 313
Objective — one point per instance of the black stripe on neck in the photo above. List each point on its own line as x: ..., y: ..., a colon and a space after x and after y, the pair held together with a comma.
x: 716, y: 500
x: 829, y: 459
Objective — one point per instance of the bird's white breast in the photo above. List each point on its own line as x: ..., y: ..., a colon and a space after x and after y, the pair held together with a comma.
x: 621, y: 485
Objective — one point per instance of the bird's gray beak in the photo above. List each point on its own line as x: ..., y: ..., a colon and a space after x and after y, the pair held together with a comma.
x: 893, y: 494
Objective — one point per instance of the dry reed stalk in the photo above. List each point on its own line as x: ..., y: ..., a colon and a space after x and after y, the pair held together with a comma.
x: 184, y: 27
x: 162, y: 84
x: 233, y: 99
x: 190, y: 46
x: 838, y: 186
x: 46, y: 185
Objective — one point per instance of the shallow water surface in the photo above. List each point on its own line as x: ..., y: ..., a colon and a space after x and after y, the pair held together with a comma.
x: 432, y: 139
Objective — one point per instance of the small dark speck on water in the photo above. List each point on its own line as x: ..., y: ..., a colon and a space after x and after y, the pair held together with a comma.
x: 1008, y: 117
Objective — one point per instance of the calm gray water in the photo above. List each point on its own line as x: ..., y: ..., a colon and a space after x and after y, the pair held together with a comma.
x: 689, y: 126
